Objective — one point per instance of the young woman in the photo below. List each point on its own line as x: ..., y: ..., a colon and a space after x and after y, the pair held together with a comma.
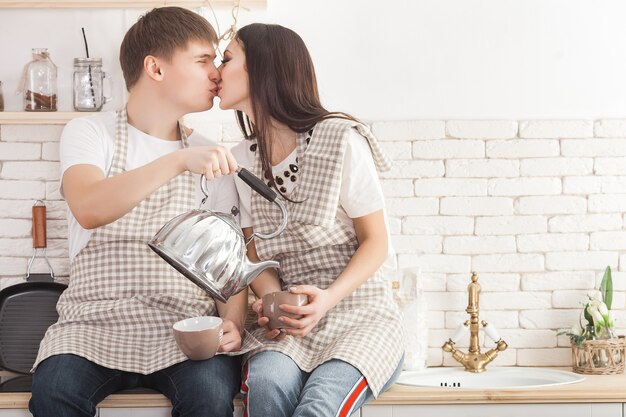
x: 346, y: 347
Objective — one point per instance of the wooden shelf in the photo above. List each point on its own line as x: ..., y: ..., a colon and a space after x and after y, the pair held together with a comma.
x: 124, y: 4
x: 39, y: 118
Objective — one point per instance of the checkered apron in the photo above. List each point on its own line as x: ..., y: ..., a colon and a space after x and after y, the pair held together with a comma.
x: 122, y: 299
x: 364, y: 329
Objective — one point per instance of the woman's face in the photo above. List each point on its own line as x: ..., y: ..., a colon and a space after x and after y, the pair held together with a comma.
x: 233, y: 88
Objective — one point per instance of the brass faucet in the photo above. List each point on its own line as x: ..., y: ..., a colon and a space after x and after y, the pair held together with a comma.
x: 474, y: 361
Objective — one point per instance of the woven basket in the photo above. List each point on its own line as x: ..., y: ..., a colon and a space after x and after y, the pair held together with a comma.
x: 599, y: 357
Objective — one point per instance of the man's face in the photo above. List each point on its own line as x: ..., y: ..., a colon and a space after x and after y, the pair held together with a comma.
x: 190, y: 79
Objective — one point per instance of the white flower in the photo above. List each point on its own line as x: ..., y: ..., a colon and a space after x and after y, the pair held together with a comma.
x: 594, y: 302
x: 611, y: 321
x: 595, y: 316
x: 598, y: 319
x: 603, y: 309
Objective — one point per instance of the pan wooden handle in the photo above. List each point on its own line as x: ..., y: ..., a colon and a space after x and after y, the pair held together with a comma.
x: 39, y: 227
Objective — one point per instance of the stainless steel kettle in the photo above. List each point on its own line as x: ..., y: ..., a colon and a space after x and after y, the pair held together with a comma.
x: 209, y: 247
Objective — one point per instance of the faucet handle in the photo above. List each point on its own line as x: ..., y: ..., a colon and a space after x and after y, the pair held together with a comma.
x: 491, y: 331
x: 461, y: 330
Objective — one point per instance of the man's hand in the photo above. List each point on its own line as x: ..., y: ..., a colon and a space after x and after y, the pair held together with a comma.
x: 231, y: 341
x: 212, y: 161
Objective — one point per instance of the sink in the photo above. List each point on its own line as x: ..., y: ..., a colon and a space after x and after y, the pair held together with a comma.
x: 495, y: 378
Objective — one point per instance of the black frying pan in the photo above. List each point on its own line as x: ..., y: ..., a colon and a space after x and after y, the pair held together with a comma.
x: 29, y: 308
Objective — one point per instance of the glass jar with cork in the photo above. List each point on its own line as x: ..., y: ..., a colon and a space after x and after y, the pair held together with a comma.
x: 40, y: 82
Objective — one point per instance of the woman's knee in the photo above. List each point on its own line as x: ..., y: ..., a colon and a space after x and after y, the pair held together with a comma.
x: 270, y: 372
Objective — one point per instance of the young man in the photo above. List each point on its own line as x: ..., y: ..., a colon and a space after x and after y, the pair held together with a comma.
x: 124, y: 175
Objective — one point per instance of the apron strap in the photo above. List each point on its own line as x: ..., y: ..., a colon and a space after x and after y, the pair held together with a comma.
x: 121, y: 142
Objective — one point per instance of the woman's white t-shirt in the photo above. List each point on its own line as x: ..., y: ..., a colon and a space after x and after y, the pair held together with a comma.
x: 91, y: 140
x: 360, y: 194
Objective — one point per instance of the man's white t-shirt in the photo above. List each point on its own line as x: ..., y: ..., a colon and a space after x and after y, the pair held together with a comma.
x: 91, y: 140
x: 360, y: 194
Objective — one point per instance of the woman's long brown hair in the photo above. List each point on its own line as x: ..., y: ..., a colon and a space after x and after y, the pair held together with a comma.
x: 282, y: 86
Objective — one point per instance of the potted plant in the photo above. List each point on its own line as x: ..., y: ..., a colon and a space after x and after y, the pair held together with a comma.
x: 595, y: 348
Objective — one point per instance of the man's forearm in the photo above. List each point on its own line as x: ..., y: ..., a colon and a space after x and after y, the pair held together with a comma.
x: 235, y: 309
x: 111, y: 198
x: 267, y: 282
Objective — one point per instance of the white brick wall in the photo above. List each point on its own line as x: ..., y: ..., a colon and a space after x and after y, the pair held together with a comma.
x: 535, y: 207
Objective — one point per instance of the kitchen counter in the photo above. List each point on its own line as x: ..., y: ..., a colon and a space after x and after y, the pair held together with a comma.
x: 595, y: 388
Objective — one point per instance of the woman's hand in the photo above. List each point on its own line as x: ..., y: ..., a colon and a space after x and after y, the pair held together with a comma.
x: 319, y: 303
x: 263, y: 321
x: 231, y: 341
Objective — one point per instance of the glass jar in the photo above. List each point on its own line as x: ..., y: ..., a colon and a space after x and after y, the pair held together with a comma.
x: 88, y: 84
x: 40, y: 88
x: 590, y: 332
x: 606, y: 333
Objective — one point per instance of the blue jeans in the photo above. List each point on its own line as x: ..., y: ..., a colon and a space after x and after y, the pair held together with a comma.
x: 72, y: 386
x: 273, y: 385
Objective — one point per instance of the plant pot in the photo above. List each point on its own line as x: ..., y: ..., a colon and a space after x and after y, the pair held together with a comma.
x: 599, y: 357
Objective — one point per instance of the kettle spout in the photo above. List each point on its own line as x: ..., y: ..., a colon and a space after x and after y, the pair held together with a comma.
x: 252, y: 270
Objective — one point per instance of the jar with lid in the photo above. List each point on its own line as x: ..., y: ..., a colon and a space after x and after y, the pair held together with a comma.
x: 88, y: 84
x: 40, y: 82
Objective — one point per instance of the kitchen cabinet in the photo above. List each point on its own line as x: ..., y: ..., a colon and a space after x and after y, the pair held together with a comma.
x: 138, y: 412
x: 123, y: 4
x: 153, y: 412
x: 495, y: 410
x: 15, y: 413
x: 146, y: 412
x: 379, y: 411
x: 438, y: 410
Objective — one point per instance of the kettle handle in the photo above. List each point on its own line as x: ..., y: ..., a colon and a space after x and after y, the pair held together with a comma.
x: 256, y: 184
x: 249, y: 178
x: 266, y: 192
x: 270, y: 195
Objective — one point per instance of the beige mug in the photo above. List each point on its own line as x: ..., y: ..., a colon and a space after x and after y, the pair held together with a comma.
x: 271, y: 310
x: 199, y: 337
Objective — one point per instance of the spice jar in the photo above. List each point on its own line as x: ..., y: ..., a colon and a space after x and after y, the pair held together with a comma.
x: 40, y: 82
x: 1, y: 98
x: 88, y: 84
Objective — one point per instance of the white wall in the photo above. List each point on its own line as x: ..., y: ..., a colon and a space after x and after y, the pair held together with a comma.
x: 536, y: 207
x: 398, y: 59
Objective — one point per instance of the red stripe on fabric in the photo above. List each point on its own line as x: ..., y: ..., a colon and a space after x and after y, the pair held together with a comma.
x: 245, y: 389
x: 355, y: 394
x: 244, y: 385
